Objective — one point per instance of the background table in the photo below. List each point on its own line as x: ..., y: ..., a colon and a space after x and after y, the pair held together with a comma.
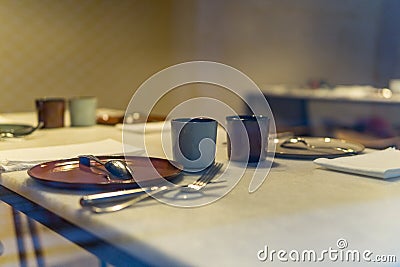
x: 299, y: 207
x: 319, y: 112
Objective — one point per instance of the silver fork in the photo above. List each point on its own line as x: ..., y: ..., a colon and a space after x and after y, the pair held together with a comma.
x: 197, y: 185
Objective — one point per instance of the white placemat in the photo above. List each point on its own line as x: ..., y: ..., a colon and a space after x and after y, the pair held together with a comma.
x: 381, y: 164
x: 20, y: 159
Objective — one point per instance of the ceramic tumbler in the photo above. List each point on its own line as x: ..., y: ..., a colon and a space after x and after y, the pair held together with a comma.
x: 51, y: 112
x: 82, y: 110
x: 193, y: 142
x: 247, y: 137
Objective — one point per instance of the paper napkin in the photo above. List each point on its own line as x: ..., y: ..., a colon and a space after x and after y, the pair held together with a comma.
x: 381, y: 164
x: 25, y: 158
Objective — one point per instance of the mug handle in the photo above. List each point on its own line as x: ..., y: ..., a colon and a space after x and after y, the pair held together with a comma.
x: 39, y: 108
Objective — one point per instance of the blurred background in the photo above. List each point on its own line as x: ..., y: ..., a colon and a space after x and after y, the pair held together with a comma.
x: 109, y: 48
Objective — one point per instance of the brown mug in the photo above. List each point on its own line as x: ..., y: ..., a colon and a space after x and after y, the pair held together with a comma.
x: 51, y: 112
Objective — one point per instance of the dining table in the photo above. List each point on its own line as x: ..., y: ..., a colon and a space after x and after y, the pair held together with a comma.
x: 302, y: 213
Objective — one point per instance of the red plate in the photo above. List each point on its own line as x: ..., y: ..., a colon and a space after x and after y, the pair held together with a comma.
x: 68, y: 174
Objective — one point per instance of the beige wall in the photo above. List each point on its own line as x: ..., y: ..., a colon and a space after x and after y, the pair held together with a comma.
x: 108, y: 48
x: 66, y: 48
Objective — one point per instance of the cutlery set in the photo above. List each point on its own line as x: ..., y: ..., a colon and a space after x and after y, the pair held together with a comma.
x: 118, y: 200
x: 315, y: 147
x: 294, y: 143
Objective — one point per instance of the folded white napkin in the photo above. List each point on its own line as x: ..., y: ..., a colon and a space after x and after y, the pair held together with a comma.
x: 150, y: 127
x: 381, y: 164
x: 25, y: 158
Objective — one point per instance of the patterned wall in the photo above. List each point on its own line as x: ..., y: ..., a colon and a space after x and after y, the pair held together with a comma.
x: 66, y: 48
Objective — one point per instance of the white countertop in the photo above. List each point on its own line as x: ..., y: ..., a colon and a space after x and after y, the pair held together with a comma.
x: 299, y: 207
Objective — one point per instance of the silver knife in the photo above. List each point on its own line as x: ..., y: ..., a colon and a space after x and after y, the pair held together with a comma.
x: 107, y: 197
x: 113, y: 196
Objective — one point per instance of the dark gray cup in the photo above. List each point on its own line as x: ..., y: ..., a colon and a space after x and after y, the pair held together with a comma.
x: 247, y: 137
x: 193, y: 142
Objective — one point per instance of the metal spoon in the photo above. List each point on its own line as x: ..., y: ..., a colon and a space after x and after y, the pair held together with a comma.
x: 117, y: 168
